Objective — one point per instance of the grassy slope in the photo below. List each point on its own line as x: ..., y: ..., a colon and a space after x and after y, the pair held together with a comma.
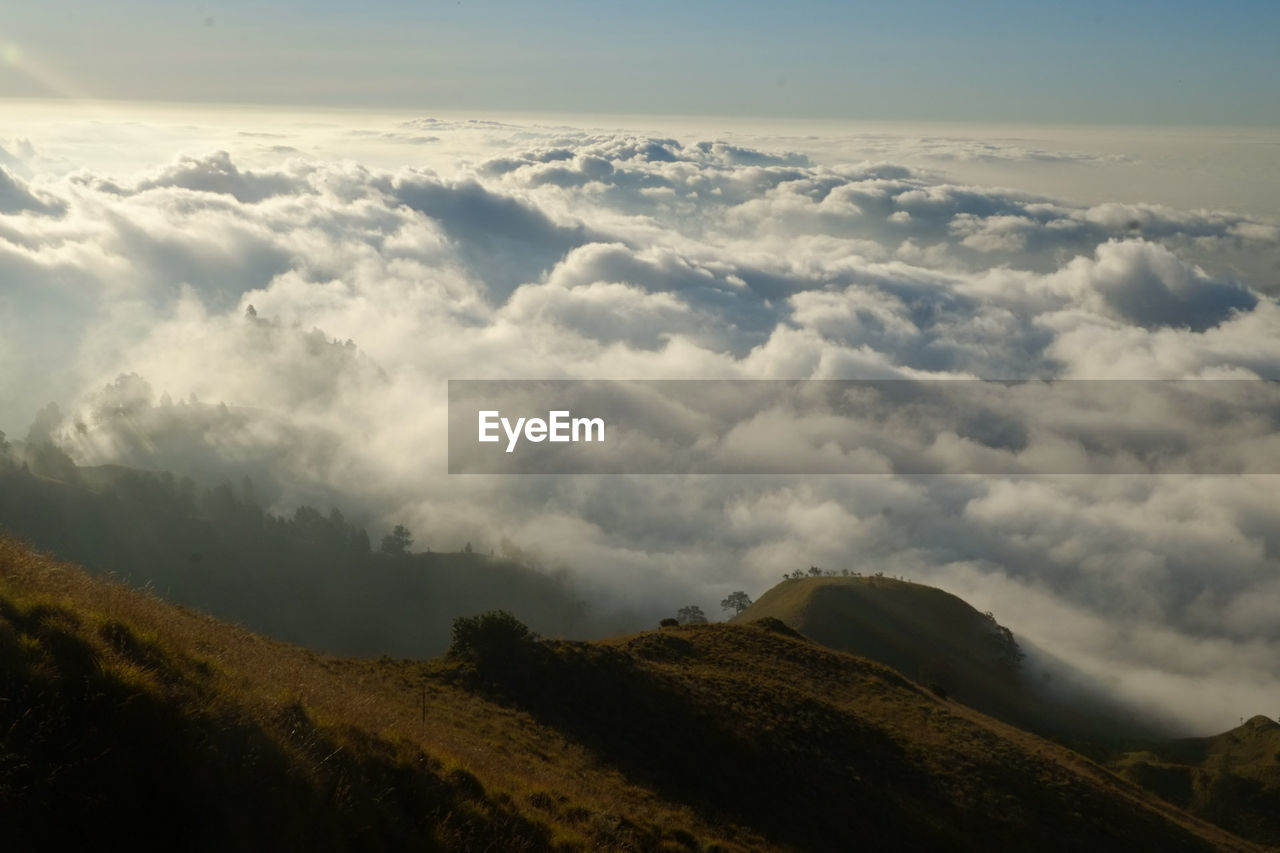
x: 939, y: 639
x: 910, y: 626
x: 1232, y: 779
x: 923, y: 632
x: 126, y: 718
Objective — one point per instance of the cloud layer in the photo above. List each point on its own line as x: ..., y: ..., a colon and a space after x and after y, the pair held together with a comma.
x: 533, y: 252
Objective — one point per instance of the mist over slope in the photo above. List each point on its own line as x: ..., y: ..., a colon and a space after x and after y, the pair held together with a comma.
x: 380, y: 261
x: 940, y: 641
x: 305, y: 577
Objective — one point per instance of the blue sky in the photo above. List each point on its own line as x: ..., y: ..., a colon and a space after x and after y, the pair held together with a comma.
x: 1168, y: 62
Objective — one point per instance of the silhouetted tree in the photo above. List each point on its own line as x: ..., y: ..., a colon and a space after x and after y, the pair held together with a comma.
x: 736, y: 601
x: 495, y: 638
x: 691, y: 614
x: 668, y: 622
x: 467, y: 549
x: 1006, y: 646
x: 1010, y: 652
x: 126, y: 397
x: 307, y: 524
x: 397, y: 541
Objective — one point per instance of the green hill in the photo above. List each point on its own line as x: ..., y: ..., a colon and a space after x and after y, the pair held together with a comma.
x: 1232, y: 779
x: 125, y: 720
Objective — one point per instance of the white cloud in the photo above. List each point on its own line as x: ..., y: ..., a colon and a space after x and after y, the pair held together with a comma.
x: 557, y: 252
x: 16, y: 197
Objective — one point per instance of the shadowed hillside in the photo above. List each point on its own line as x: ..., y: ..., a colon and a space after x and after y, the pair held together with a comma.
x: 941, y: 641
x: 1232, y: 779
x: 126, y: 719
x: 311, y: 578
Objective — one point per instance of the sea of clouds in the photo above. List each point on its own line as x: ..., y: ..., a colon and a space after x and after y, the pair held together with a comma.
x: 284, y: 306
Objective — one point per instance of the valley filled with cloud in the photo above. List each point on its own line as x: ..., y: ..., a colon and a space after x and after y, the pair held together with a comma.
x: 220, y: 299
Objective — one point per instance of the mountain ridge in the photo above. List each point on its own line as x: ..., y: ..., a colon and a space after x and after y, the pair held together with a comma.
x: 1231, y: 779
x: 719, y: 737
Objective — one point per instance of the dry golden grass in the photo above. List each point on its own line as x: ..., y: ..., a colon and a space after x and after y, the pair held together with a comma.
x: 698, y: 738
x: 520, y: 763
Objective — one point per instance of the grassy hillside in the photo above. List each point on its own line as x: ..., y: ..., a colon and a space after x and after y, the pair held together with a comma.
x: 940, y: 640
x: 1232, y: 779
x: 309, y: 579
x: 929, y: 634
x: 124, y: 719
